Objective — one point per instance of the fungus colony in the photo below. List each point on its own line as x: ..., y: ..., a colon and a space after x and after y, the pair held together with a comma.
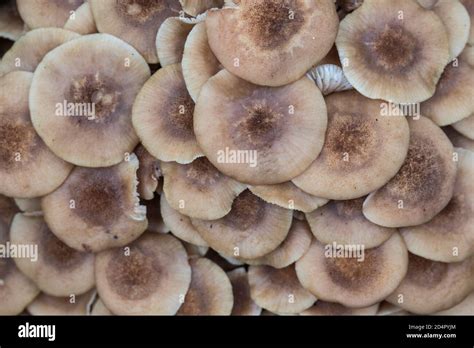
x: 237, y: 157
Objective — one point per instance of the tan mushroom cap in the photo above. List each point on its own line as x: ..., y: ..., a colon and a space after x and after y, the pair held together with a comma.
x: 330, y: 308
x: 351, y: 281
x: 449, y: 236
x: 170, y: 40
x: 27, y: 167
x: 195, y: 7
x: 465, y: 126
x: 46, y: 13
x: 453, y: 100
x: 153, y: 213
x: 11, y: 24
x: 195, y: 250
x: 393, y: 50
x: 148, y: 173
x: 180, y: 225
x: 243, y: 303
x: 163, y: 117
x: 57, y: 270
x: 422, y: 187
x: 46, y: 304
x: 342, y: 222
x: 278, y: 290
x: 275, y: 42
x: 97, y: 208
x: 150, y: 279
x: 469, y: 5
x: 210, y: 292
x: 134, y: 21
x: 458, y: 139
x: 82, y: 21
x: 465, y: 307
x: 288, y: 195
x: 260, y: 135
x: 198, y: 189
x: 28, y: 205
x: 30, y: 49
x: 432, y: 286
x: 198, y: 62
x: 363, y: 150
x: 252, y: 228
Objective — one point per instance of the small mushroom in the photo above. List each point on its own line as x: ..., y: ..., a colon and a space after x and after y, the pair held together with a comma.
x: 46, y: 13
x: 243, y: 303
x: 46, y: 304
x: 210, y: 292
x: 330, y: 308
x: 458, y: 139
x: 148, y: 173
x: 196, y: 7
x: 469, y: 5
x: 81, y: 21
x: 97, y: 208
x: 11, y: 24
x: 424, y: 184
x: 151, y: 276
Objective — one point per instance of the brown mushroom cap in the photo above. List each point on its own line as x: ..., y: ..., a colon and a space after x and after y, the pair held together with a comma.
x: 82, y: 21
x: 148, y: 173
x: 350, y: 281
x: 190, y: 187
x: 363, y: 148
x: 163, y: 117
x: 252, y: 228
x: 330, y: 308
x: 432, y: 286
x: 465, y: 126
x: 243, y: 303
x: 458, y: 139
x: 97, y: 208
x: 449, y: 236
x: 279, y: 290
x: 469, y: 5
x: 210, y: 292
x: 46, y: 304
x: 46, y: 13
x: 27, y: 167
x: 170, y: 40
x: 134, y: 21
x: 275, y: 42
x: 279, y: 129
x: 465, y: 307
x: 424, y: 184
x: 11, y: 24
x: 150, y: 279
x: 195, y: 7
x: 343, y: 222
x: 85, y: 119
x: 398, y: 46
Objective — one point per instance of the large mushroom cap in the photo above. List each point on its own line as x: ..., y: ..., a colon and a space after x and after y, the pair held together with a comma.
x: 46, y: 13
x: 272, y: 42
x: 393, y: 50
x: 82, y: 21
x: 422, y: 187
x: 151, y: 278
x: 243, y: 303
x: 27, y: 167
x: 260, y: 135
x: 364, y: 148
x: 85, y: 119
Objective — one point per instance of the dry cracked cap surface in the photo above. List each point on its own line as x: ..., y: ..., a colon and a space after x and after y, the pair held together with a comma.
x: 431, y: 286
x: 86, y: 118
x: 260, y: 135
x: 393, y: 50
x: 149, y: 277
x: 363, y: 150
x: 58, y: 270
x: 449, y: 236
x: 97, y: 208
x: 251, y: 229
x: 27, y: 167
x: 82, y: 21
x: 352, y: 280
x: 424, y: 184
x: 272, y: 42
x: 243, y: 303
x: 46, y: 13
x: 134, y: 21
x: 163, y: 117
x: 46, y: 304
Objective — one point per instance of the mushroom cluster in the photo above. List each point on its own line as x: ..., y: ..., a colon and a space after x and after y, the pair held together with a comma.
x: 236, y: 157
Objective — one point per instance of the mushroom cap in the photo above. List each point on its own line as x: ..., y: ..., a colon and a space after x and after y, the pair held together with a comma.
x: 46, y: 304
x: 31, y: 48
x: 386, y: 308
x: 83, y: 21
x: 278, y: 290
x: 198, y: 62
x: 163, y: 117
x: 46, y: 13
x: 288, y: 195
x: 458, y: 139
x: 243, y: 303
x: 275, y: 42
x: 28, y: 205
x: 465, y: 126
x: 58, y: 270
x: 469, y: 5
x: 363, y: 150
x: 99, y: 308
x: 189, y: 187
x: 170, y: 40
x: 330, y: 308
x: 196, y: 7
x: 252, y: 228
x: 27, y: 167
x: 465, y: 307
x: 260, y: 135
x: 424, y: 184
x: 432, y: 286
x: 150, y: 279
x: 11, y: 24
x: 134, y: 21
x: 195, y: 250
x: 148, y: 173
x: 210, y: 292
x: 343, y: 222
x: 449, y: 236
x: 351, y: 282
x: 97, y: 208
x: 397, y: 46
